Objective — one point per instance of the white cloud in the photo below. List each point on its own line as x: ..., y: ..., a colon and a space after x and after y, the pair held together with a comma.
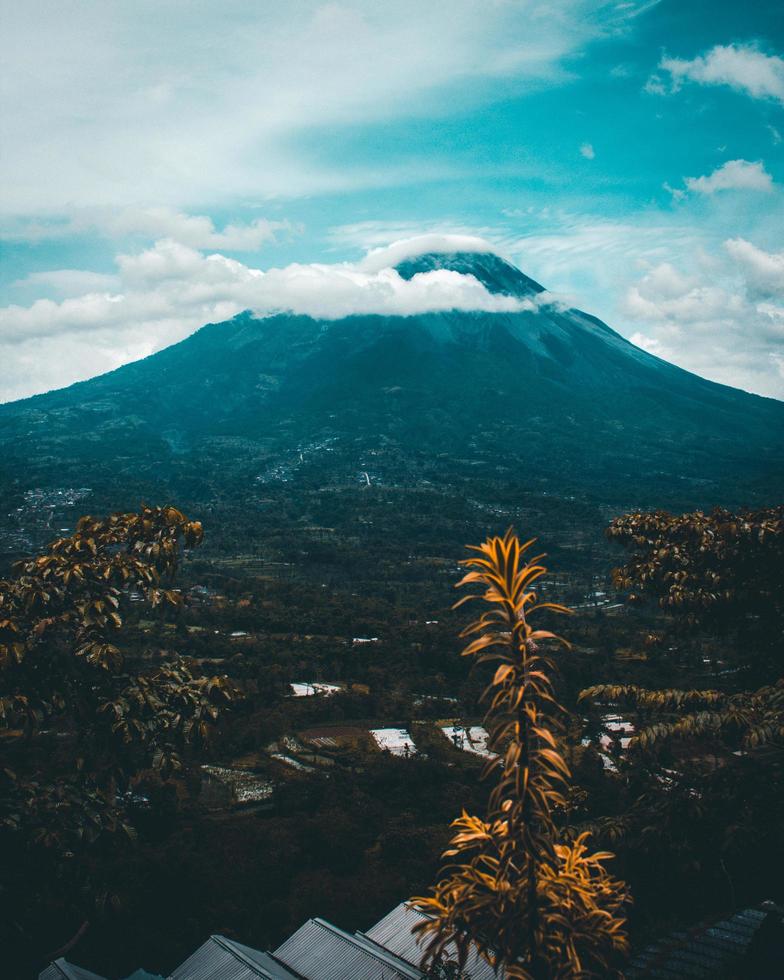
x: 568, y: 251
x: 716, y: 311
x: 376, y: 234
x: 410, y: 248
x: 666, y: 281
x: 198, y: 231
x: 763, y: 271
x: 655, y: 86
x: 152, y: 223
x: 664, y: 293
x: 170, y: 103
x: 713, y: 321
x: 167, y: 291
x: 733, y: 175
x: 651, y: 345
x: 69, y: 282
x: 742, y: 67
x: 587, y: 151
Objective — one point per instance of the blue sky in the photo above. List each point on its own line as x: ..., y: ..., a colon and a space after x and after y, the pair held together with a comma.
x: 157, y: 156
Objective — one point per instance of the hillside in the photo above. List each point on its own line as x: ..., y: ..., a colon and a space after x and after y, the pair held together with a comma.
x: 550, y: 397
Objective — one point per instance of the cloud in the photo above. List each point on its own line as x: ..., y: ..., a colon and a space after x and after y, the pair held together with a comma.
x: 655, y: 86
x: 570, y: 251
x: 197, y: 231
x: 371, y: 235
x: 665, y: 293
x: 667, y: 281
x: 763, y: 271
x: 725, y: 321
x: 587, y: 151
x: 410, y: 248
x: 743, y: 68
x: 69, y: 282
x: 151, y: 223
x: 166, y: 292
x: 678, y: 193
x: 716, y: 311
x: 733, y: 175
x: 251, y: 95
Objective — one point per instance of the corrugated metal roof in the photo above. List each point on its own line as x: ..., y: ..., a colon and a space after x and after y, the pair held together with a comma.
x: 321, y: 951
x: 223, y: 959
x: 393, y: 932
x: 63, y: 970
x: 264, y: 961
x: 706, y: 951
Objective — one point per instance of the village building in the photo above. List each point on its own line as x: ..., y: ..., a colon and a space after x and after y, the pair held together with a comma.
x: 388, y: 950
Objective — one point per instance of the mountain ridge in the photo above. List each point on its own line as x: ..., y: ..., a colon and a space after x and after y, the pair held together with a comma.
x: 535, y: 386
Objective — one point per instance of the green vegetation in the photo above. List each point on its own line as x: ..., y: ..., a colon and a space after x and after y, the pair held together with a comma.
x: 348, y: 830
x: 79, y: 724
x: 706, y: 762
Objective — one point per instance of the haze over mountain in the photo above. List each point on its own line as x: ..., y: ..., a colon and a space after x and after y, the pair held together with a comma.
x: 519, y: 389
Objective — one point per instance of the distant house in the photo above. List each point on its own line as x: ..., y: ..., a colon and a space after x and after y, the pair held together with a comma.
x: 200, y: 594
x: 223, y: 786
x: 472, y: 739
x: 304, y: 690
x: 616, y: 734
x: 397, y: 741
x: 335, y: 737
x: 358, y: 640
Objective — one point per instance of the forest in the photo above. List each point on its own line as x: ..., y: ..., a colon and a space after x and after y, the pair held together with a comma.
x: 145, y: 682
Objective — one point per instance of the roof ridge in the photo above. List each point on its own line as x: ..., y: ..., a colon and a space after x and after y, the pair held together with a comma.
x: 231, y: 947
x: 372, y: 949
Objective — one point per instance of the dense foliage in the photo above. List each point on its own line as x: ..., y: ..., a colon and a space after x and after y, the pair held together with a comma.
x: 78, y: 722
x: 275, y: 595
x: 706, y: 762
x: 723, y: 574
x: 719, y: 571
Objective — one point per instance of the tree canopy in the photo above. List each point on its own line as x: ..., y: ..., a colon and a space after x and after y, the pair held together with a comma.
x: 706, y: 761
x: 79, y: 718
x: 718, y: 571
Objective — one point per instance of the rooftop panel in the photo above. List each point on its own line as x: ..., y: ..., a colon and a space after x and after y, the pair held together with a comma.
x: 63, y: 970
x: 223, y: 959
x: 320, y: 951
x: 393, y: 932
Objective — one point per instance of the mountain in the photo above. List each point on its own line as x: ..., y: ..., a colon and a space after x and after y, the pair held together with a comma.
x: 537, y: 400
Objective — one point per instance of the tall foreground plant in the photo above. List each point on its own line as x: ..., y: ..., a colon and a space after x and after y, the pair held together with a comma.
x: 537, y: 905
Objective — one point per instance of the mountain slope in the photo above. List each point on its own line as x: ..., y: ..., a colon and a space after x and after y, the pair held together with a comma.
x: 550, y: 397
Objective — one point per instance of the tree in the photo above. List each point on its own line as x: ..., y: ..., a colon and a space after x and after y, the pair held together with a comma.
x: 722, y: 573
x: 538, y: 905
x: 717, y: 797
x: 718, y: 571
x: 80, y: 718
x: 743, y: 721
